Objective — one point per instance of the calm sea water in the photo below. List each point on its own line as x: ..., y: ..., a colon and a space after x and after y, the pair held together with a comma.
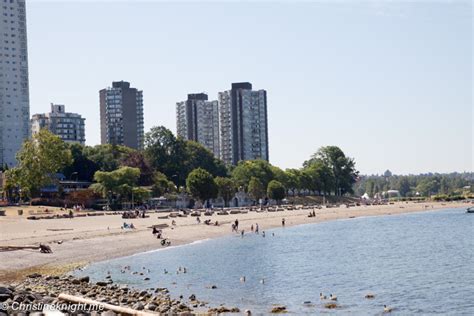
x: 419, y: 263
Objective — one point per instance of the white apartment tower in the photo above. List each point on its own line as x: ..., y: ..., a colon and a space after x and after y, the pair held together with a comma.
x: 14, y: 93
x: 197, y: 119
x: 70, y: 127
x: 121, y: 115
x: 243, y: 124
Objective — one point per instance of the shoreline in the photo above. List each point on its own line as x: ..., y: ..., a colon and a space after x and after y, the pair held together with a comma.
x: 87, y: 240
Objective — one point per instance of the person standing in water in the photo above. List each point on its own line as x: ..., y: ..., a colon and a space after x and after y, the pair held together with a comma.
x: 256, y: 228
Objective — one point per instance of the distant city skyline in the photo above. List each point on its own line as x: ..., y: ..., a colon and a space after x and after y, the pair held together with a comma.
x: 390, y: 83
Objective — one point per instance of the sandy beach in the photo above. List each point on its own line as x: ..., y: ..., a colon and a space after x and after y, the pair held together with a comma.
x: 83, y: 240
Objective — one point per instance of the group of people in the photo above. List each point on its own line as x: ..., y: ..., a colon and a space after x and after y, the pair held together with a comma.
x: 157, y: 232
x: 312, y: 214
x: 134, y: 214
x: 208, y: 222
x: 128, y: 226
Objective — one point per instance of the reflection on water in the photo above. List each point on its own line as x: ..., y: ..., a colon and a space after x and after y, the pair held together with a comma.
x: 416, y: 263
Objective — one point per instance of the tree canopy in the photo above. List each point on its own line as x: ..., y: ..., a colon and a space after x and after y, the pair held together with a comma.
x: 256, y: 189
x: 226, y: 188
x: 339, y: 169
x: 39, y: 159
x: 176, y: 158
x: 276, y: 190
x: 119, y: 183
x: 201, y: 185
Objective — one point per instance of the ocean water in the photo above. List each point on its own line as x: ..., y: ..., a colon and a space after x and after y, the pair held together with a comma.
x: 421, y: 263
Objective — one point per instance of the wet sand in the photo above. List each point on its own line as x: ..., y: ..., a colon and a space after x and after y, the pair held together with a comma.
x: 84, y: 240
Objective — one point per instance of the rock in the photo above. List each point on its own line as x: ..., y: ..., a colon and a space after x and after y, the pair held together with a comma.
x: 34, y: 276
x: 101, y: 283
x: 370, y: 296
x: 19, y: 298
x: 192, y: 297
x: 108, y: 313
x: 47, y: 300
x: 85, y: 279
x: 146, y: 279
x: 37, y: 314
x: 75, y: 281
x: 330, y: 305
x: 5, y: 290
x: 223, y: 309
x: 151, y: 306
x: 278, y: 309
x: 4, y: 297
x: 138, y: 306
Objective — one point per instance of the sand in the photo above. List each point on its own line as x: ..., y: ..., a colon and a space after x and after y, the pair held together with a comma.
x: 84, y: 240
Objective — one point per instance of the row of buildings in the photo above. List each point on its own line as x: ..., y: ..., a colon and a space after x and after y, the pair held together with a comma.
x: 121, y: 118
x: 234, y: 127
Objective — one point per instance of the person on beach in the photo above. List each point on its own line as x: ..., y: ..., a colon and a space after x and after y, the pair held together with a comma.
x: 236, y: 224
x: 283, y: 222
x: 256, y: 228
x: 242, y: 233
x: 251, y: 228
x: 198, y: 220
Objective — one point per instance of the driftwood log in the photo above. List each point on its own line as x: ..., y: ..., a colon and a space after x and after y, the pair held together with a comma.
x: 114, y: 308
x: 12, y: 248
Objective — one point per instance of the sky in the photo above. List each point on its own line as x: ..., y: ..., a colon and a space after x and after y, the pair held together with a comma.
x: 389, y: 82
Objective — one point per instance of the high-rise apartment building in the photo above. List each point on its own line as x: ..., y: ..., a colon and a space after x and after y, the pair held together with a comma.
x: 197, y: 119
x: 243, y: 124
x: 70, y: 127
x: 121, y: 115
x: 14, y: 94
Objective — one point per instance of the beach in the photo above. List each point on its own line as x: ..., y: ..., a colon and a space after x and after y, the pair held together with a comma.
x: 82, y: 240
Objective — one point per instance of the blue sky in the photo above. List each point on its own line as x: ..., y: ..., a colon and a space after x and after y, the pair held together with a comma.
x: 389, y: 82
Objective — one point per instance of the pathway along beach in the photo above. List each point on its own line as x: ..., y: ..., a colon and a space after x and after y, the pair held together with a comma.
x: 82, y: 240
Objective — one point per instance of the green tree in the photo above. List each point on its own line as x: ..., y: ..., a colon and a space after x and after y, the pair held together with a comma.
x: 256, y: 190
x: 136, y: 159
x: 119, y: 183
x: 107, y: 157
x: 403, y: 186
x: 248, y: 169
x: 161, y: 184
x: 198, y: 156
x: 201, y: 185
x: 226, y: 188
x: 39, y: 159
x: 428, y: 187
x: 82, y: 168
x: 293, y: 177
x: 276, y: 191
x: 342, y: 168
x: 140, y: 195
x: 176, y: 158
